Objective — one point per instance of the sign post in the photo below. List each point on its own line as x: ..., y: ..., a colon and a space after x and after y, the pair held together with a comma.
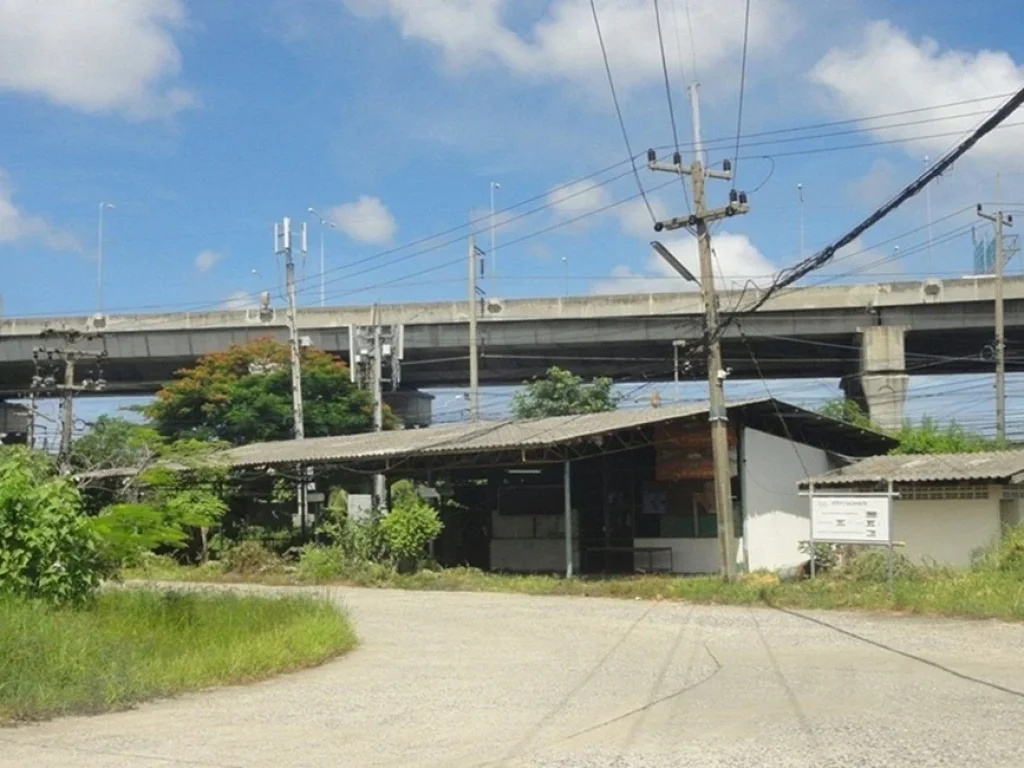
x: 852, y: 518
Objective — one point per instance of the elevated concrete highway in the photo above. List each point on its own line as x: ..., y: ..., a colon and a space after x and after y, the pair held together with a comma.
x: 873, y: 336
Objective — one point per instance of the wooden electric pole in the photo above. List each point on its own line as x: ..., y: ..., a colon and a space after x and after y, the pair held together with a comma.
x: 1000, y: 219
x: 697, y: 224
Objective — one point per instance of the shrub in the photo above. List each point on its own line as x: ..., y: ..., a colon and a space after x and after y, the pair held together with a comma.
x: 250, y: 558
x: 47, y: 549
x: 826, y: 556
x: 1006, y: 554
x: 318, y: 563
x: 872, y: 566
x: 411, y: 524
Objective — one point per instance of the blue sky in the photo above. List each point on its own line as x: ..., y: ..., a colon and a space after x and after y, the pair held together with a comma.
x: 204, y: 122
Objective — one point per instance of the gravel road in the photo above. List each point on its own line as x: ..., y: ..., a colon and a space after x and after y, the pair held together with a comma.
x: 453, y: 679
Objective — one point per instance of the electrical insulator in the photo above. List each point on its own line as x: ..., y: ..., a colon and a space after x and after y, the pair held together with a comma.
x: 652, y: 156
x: 733, y: 197
x: 743, y: 198
x: 726, y: 166
x: 677, y: 158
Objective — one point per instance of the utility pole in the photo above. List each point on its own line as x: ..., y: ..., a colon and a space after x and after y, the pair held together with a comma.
x: 697, y: 224
x: 1000, y: 219
x: 283, y: 247
x: 44, y: 380
x: 67, y: 424
x: 380, y: 489
x: 474, y: 362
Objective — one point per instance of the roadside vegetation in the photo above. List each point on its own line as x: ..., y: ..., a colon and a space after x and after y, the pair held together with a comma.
x: 129, y: 645
x: 992, y: 588
x: 66, y: 646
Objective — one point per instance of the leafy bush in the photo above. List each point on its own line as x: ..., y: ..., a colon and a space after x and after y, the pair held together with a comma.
x: 318, y: 563
x: 826, y: 556
x: 411, y: 524
x: 872, y: 566
x: 47, y: 549
x: 1006, y: 554
x: 250, y: 558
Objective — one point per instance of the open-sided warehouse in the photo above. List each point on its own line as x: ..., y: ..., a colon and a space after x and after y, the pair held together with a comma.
x: 637, y: 484
x: 948, y: 506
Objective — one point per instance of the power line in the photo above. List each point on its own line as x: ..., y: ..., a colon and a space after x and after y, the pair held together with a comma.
x: 743, y: 83
x: 803, y: 268
x: 618, y: 110
x: 668, y: 96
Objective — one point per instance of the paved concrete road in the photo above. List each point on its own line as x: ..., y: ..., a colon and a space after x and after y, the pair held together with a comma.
x: 507, y: 680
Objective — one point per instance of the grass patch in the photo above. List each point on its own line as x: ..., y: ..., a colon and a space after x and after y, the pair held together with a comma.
x: 132, y: 645
x: 994, y: 588
x: 972, y: 594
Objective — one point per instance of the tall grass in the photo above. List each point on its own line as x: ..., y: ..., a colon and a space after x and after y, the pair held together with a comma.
x: 132, y: 645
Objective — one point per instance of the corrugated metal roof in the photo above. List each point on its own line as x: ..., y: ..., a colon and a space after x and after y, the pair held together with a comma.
x: 930, y: 468
x: 461, y: 438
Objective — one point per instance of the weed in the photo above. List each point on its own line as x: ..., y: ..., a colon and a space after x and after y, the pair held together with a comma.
x: 131, y: 645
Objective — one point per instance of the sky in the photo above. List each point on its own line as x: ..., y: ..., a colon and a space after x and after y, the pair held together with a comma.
x: 203, y: 123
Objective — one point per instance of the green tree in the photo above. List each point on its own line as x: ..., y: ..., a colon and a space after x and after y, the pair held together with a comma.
x: 47, y: 548
x: 562, y: 393
x: 243, y: 395
x: 927, y: 436
x: 114, y: 441
x: 171, y: 499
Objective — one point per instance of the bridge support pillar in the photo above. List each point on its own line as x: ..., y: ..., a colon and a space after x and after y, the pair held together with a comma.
x: 881, y: 386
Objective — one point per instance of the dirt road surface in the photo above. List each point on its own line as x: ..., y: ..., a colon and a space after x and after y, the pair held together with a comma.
x: 457, y: 679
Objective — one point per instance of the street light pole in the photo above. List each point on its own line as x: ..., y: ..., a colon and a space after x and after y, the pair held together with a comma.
x: 99, y: 258
x: 323, y: 261
x: 494, y: 248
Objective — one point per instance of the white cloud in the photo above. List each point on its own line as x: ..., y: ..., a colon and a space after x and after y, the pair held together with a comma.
x: 16, y: 225
x: 95, y: 56
x: 367, y: 220
x: 206, y: 260
x: 577, y: 199
x: 737, y: 260
x: 563, y: 44
x: 239, y: 300
x: 887, y: 72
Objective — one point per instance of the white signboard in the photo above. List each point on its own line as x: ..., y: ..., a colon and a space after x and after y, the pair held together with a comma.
x: 850, y: 519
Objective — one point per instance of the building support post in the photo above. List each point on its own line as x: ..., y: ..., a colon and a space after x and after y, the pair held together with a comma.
x: 567, y: 487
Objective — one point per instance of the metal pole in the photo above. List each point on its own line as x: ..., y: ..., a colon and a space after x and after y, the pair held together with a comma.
x: 474, y: 363
x: 377, y: 386
x: 1000, y: 336
x: 889, y: 558
x: 99, y: 258
x: 810, y: 500
x: 323, y: 268
x: 567, y: 487
x: 928, y: 205
x: 494, y: 246
x: 68, y: 420
x: 800, y: 192
x: 675, y: 369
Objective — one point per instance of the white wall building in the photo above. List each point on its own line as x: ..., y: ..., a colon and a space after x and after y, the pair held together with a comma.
x: 949, y: 506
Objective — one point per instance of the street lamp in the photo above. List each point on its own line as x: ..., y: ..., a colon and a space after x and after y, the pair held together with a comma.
x: 494, y: 248
x: 323, y: 270
x: 673, y: 262
x: 99, y: 259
